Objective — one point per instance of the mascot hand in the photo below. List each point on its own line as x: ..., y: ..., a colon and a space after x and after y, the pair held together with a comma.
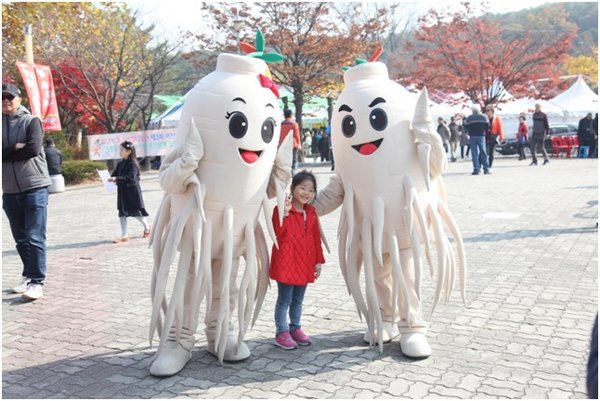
x: 424, y: 132
x: 193, y: 148
x: 177, y: 170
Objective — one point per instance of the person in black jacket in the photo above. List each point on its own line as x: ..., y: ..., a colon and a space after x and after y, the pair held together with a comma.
x: 477, y: 124
x: 129, y: 193
x: 595, y: 128
x: 585, y: 133
x: 53, y: 157
x: 592, y: 364
x: 25, y: 182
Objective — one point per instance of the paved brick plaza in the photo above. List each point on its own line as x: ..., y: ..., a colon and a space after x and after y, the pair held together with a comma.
x: 532, y: 247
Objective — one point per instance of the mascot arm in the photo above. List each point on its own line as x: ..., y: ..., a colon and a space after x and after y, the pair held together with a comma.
x: 177, y: 169
x: 281, y: 173
x: 331, y: 197
x: 425, y: 133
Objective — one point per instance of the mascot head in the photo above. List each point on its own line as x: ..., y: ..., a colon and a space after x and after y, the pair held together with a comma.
x: 371, y: 119
x: 235, y: 111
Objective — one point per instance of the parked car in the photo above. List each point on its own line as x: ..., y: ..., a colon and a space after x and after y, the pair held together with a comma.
x: 509, y: 147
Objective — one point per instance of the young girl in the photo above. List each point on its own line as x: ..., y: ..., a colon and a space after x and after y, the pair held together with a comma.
x: 129, y: 193
x: 522, y: 137
x: 298, y: 259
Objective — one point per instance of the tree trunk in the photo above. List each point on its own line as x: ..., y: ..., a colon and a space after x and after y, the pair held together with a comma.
x: 329, y: 110
x: 298, y: 102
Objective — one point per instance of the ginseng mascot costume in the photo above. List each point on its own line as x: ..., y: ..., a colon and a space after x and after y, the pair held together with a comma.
x: 225, y: 166
x: 389, y: 160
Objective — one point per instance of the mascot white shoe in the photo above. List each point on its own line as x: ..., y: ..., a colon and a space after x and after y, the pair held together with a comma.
x: 390, y: 331
x: 389, y: 161
x: 415, y: 345
x: 225, y: 166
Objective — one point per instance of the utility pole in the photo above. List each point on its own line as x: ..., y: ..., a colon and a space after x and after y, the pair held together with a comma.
x: 28, y: 45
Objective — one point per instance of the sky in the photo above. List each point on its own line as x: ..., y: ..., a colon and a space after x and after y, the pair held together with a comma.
x: 174, y: 15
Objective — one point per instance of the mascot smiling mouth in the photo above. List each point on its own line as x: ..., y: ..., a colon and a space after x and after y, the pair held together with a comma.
x: 250, y: 156
x: 368, y: 148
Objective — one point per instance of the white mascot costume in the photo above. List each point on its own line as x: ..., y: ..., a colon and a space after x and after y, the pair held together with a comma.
x: 224, y: 167
x: 389, y: 160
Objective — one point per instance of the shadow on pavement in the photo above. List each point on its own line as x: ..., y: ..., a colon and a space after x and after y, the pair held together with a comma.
x: 58, y: 247
x: 124, y: 373
x: 516, y: 234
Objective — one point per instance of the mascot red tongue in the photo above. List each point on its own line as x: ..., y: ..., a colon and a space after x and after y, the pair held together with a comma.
x: 225, y: 166
x: 249, y: 157
x: 367, y: 149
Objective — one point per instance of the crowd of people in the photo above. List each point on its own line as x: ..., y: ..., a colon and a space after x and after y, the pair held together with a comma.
x: 480, y: 133
x: 316, y: 143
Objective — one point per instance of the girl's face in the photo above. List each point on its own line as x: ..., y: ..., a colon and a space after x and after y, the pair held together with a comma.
x: 303, y: 193
x: 124, y: 153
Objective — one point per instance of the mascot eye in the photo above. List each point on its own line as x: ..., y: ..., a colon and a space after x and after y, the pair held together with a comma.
x: 378, y: 119
x: 267, y: 130
x: 348, y: 126
x: 238, y: 124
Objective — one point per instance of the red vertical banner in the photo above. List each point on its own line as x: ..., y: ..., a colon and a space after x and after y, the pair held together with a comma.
x: 40, y: 93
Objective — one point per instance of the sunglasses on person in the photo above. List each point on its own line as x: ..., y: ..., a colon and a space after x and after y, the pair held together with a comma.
x: 7, y: 96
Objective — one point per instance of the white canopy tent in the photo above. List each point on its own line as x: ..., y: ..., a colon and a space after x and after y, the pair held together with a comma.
x: 577, y: 101
x: 527, y: 105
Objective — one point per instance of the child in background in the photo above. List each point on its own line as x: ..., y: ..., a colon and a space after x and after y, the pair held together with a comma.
x: 522, y: 137
x: 129, y: 192
x: 298, y: 259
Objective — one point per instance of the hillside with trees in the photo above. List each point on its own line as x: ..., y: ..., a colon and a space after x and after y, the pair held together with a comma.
x: 583, y: 15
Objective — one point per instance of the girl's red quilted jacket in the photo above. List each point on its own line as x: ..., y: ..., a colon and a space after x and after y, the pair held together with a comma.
x: 299, y: 247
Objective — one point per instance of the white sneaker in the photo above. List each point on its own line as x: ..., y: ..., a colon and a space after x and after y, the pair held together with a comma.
x: 34, y: 291
x: 21, y: 288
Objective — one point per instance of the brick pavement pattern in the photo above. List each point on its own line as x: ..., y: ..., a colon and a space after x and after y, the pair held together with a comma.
x: 532, y: 252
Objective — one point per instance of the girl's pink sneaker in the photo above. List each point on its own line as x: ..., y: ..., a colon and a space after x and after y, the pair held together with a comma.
x: 300, y: 337
x: 285, y: 341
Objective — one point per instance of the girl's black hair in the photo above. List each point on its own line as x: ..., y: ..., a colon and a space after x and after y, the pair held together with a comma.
x: 302, y: 176
x: 132, y: 156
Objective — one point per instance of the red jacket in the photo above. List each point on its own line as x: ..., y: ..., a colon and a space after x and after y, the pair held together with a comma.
x: 496, y: 128
x: 288, y: 125
x: 299, y: 247
x: 523, y: 132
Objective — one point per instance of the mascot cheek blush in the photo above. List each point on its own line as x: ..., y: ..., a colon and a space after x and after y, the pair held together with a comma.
x: 389, y: 159
x: 225, y: 166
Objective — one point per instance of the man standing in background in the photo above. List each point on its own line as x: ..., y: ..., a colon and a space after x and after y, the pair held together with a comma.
x: 290, y: 125
x: 586, y: 134
x: 477, y: 125
x: 494, y: 135
x: 540, y: 129
x: 25, y: 182
x: 454, y: 137
x: 53, y: 157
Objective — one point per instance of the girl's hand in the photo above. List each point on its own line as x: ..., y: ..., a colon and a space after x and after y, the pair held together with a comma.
x: 317, y: 270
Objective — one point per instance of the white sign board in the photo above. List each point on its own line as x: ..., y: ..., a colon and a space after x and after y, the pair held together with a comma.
x: 147, y: 143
